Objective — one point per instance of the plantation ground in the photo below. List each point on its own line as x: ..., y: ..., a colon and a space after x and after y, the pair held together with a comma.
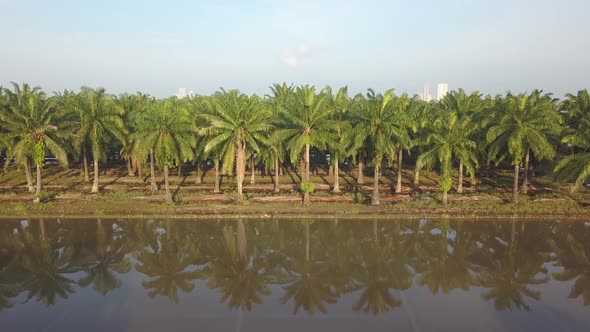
x: 130, y: 197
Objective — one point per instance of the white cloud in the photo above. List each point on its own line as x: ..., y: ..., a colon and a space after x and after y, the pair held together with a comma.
x: 292, y: 58
x: 304, y: 50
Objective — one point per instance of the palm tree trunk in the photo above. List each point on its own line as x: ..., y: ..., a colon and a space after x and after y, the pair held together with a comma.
x: 525, y: 180
x: 445, y: 198
x: 306, y: 197
x: 359, y: 178
x: 167, y: 186
x: 252, y: 179
x: 152, y: 172
x: 129, y: 168
x: 216, y: 189
x: 240, y: 167
x: 29, y: 176
x: 180, y: 164
x: 38, y: 189
x: 277, y: 170
x: 460, y: 181
x: 198, y: 179
x: 95, y: 184
x: 139, y: 169
x: 417, y: 176
x: 515, y: 187
x: 85, y: 163
x: 301, y: 169
x: 336, y: 176
x: 400, y: 156
x: 375, y: 199
x: 473, y: 181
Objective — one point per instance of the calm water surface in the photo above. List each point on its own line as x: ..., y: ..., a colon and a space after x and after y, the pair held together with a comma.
x: 112, y: 275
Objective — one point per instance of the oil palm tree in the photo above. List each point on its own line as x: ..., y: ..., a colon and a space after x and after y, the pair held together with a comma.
x: 526, y: 124
x: 168, y: 133
x: 99, y: 117
x: 134, y: 107
x: 422, y: 116
x: 238, y: 123
x: 576, y: 167
x: 467, y: 107
x: 275, y: 154
x: 7, y: 141
x: 449, y: 139
x: 406, y: 123
x: 375, y: 122
x: 31, y: 122
x: 68, y: 103
x: 340, y: 104
x: 307, y: 126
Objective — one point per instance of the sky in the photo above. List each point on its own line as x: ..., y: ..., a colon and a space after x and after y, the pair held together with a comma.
x: 157, y: 47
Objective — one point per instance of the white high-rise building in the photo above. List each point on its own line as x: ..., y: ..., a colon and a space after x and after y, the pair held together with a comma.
x: 426, y: 93
x: 441, y: 90
x: 181, y: 93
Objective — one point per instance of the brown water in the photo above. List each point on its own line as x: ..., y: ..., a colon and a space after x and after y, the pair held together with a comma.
x: 107, y: 275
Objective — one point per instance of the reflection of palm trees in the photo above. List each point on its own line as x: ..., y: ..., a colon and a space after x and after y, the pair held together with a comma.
x: 167, y: 265
x: 9, y: 283
x: 508, y: 272
x: 310, y: 283
x: 573, y: 250
x: 240, y: 277
x: 444, y: 270
x: 9, y: 267
x: 382, y: 268
x: 108, y: 258
x: 45, y: 263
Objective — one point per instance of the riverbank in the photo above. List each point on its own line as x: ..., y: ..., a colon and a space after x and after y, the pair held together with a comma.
x: 197, y: 207
x: 66, y: 195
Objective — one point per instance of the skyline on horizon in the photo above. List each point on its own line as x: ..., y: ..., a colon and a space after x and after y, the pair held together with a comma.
x: 491, y: 47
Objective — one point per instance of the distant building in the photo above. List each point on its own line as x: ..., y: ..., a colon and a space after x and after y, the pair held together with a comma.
x: 441, y: 90
x: 181, y: 93
x: 426, y: 93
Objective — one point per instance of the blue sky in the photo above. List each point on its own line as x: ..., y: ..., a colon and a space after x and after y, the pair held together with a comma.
x: 157, y: 47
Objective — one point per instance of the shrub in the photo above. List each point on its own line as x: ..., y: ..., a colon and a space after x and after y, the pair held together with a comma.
x: 46, y: 196
x: 307, y: 187
x: 177, y: 198
x: 358, y: 197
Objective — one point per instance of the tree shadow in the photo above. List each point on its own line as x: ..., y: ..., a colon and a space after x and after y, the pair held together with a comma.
x: 323, y: 177
x: 291, y: 175
x: 175, y: 193
x: 110, y: 182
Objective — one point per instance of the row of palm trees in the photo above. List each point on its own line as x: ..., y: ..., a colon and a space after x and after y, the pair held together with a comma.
x: 312, y: 264
x: 456, y: 135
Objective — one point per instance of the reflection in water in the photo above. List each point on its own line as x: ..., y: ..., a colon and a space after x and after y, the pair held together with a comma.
x: 308, y: 265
